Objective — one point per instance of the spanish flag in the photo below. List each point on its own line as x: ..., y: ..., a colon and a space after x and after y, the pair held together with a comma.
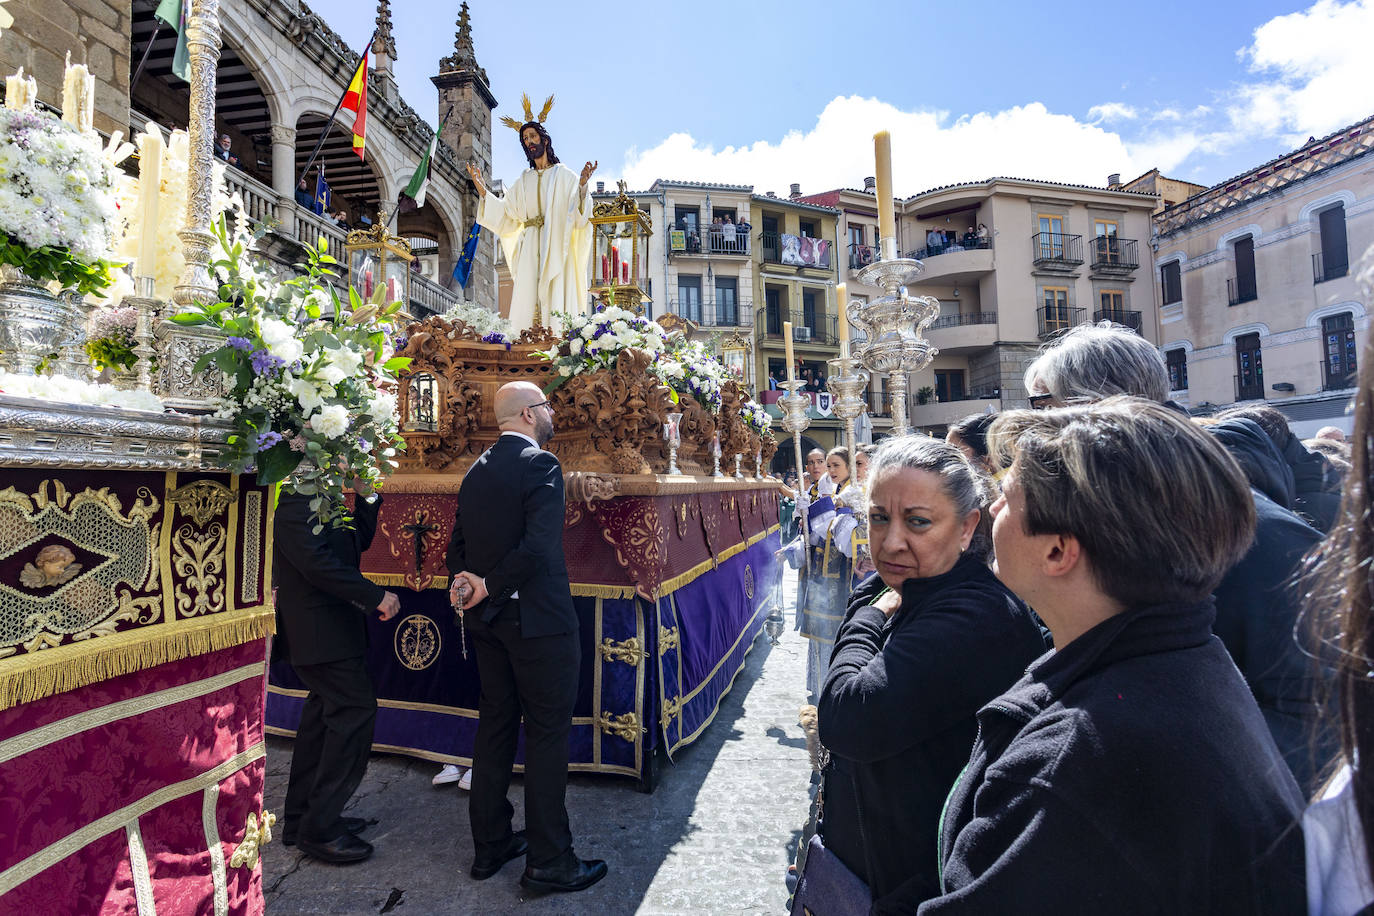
x: 355, y: 100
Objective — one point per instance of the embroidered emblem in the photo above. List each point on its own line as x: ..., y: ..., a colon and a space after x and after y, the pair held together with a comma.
x: 748, y: 582
x: 417, y: 642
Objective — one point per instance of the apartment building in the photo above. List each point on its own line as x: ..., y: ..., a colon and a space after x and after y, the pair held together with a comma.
x: 1258, y: 300
x: 1013, y: 263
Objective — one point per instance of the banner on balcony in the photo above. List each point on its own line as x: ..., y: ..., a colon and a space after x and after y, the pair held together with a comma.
x: 677, y: 239
x: 824, y: 402
x: 801, y: 251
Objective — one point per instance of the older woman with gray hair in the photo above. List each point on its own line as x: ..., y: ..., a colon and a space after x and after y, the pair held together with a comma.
x: 1129, y: 770
x: 1092, y: 362
x: 926, y: 642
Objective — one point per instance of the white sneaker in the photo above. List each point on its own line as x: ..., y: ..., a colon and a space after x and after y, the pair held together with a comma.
x: 449, y: 774
x: 466, y: 782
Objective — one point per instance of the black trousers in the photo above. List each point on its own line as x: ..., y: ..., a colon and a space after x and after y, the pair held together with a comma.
x: 536, y: 678
x: 332, y: 744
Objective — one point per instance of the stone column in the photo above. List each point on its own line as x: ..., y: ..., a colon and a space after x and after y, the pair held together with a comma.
x: 284, y: 162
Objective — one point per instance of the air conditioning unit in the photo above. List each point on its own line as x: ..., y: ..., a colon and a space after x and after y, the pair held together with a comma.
x: 801, y: 333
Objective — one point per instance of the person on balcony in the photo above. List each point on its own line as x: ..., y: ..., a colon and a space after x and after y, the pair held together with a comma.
x: 727, y: 234
x: 223, y: 150
x: 303, y: 197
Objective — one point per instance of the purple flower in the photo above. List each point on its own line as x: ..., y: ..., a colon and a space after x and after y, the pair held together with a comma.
x: 240, y: 343
x: 265, y: 362
x: 496, y: 337
x: 268, y: 439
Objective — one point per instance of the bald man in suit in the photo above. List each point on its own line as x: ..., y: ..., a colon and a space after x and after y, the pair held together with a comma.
x: 508, y: 573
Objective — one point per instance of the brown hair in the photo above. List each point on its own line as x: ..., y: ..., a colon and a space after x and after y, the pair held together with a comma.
x: 1160, y: 508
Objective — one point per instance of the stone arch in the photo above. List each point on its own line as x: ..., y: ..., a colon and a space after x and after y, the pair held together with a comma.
x: 1356, y: 309
x: 1255, y: 327
x: 442, y: 217
x: 260, y: 60
x: 1309, y: 213
x: 363, y: 182
x: 1253, y: 230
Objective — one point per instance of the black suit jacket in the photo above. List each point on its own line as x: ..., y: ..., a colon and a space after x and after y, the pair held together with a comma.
x: 509, y: 530
x: 322, y: 599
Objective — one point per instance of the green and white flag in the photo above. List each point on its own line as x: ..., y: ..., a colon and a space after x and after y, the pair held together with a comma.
x: 419, y: 182
x: 177, y: 13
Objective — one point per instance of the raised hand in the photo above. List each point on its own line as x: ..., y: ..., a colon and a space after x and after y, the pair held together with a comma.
x: 476, y: 177
x: 587, y: 171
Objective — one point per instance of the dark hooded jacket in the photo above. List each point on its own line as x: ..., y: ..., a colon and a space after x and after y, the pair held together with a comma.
x: 1314, y: 498
x: 1128, y: 772
x: 1259, y: 604
x: 897, y: 714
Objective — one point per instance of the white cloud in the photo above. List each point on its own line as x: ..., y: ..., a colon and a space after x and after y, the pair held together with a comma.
x: 929, y: 150
x: 1317, y: 70
x: 1111, y: 111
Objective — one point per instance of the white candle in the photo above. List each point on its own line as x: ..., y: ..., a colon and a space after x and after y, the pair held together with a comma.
x: 882, y: 155
x: 78, y: 96
x: 787, y: 344
x: 842, y: 302
x: 20, y: 92
x: 149, y: 188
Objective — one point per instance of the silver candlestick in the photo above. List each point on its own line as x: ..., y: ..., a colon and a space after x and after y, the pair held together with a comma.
x: 795, y: 419
x: 672, y: 433
x: 893, y: 324
x: 715, y: 451
x: 847, y: 382
x: 739, y: 474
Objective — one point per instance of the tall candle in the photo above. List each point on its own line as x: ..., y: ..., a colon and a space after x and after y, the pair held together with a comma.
x: 625, y: 271
x: 78, y: 96
x: 604, y: 270
x: 149, y: 184
x: 20, y: 92
x: 787, y: 344
x: 842, y: 303
x: 882, y: 154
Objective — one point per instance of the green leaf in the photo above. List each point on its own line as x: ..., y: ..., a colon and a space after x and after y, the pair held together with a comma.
x: 275, y: 464
x: 557, y: 383
x: 189, y: 319
x: 398, y: 363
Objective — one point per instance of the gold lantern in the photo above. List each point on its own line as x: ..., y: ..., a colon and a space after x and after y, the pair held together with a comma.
x: 620, y: 252
x: 378, y: 260
x: 734, y: 356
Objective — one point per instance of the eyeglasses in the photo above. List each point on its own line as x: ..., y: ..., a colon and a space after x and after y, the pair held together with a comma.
x: 1041, y: 401
x: 540, y: 404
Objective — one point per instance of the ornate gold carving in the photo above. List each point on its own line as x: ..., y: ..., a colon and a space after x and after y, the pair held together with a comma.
x: 625, y: 727
x: 671, y: 323
x: 54, y: 565
x: 257, y: 833
x: 630, y: 651
x: 199, y: 560
x: 203, y: 500
x: 611, y: 419
x: 417, y: 642
x: 667, y: 639
x: 583, y: 487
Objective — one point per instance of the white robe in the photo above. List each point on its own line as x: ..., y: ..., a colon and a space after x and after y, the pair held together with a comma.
x: 549, y: 263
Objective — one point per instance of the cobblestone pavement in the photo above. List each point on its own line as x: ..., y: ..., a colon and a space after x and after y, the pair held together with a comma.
x: 716, y: 836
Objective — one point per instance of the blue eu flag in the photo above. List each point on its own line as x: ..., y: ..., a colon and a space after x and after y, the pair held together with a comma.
x: 463, y: 269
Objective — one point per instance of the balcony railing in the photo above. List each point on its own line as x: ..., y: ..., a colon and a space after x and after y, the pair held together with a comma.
x: 1251, y: 389
x: 1108, y: 252
x: 967, y: 243
x: 879, y: 403
x: 1054, y: 320
x: 1238, y: 292
x: 1119, y: 316
x: 1055, y: 249
x: 426, y: 294
x: 817, y: 329
x: 1323, y: 270
x: 715, y: 240
x: 862, y: 255
x: 958, y: 321
x: 714, y: 314
x: 1338, y: 378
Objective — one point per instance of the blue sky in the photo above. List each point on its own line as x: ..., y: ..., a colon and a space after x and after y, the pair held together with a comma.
x: 768, y: 95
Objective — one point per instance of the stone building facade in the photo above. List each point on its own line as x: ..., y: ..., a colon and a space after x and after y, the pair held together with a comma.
x: 1258, y: 296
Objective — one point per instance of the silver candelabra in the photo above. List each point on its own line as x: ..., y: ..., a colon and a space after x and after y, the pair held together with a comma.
x: 795, y: 420
x: 893, y: 324
x: 847, y: 381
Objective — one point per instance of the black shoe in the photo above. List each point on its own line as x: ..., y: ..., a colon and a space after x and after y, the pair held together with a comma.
x: 484, y: 868
x: 342, y: 850
x: 579, y: 876
x: 353, y: 825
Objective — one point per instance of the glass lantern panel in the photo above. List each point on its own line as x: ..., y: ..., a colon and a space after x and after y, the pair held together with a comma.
x: 365, y: 271
x: 397, y: 278
x: 422, y: 397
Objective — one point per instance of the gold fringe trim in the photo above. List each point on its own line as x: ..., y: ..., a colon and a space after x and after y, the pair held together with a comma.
x: 590, y: 590
x: 26, y: 678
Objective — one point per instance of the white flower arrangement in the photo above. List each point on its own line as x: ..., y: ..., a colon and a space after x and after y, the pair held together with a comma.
x: 57, y: 200
x: 756, y: 417
x: 595, y: 341
x: 71, y: 391
x: 483, y: 322
x: 303, y: 380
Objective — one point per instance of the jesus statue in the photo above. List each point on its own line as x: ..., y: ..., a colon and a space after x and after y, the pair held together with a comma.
x: 542, y: 222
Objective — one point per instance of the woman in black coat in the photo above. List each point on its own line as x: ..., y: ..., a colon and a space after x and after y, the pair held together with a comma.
x: 926, y: 642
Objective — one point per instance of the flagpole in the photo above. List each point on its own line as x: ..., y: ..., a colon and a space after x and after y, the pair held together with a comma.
x: 329, y: 122
x: 143, y: 62
x: 396, y: 210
